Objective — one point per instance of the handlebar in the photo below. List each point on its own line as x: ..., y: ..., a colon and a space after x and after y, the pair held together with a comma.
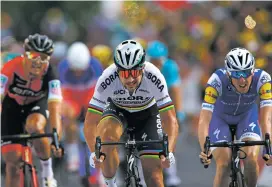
x: 25, y: 137
x: 164, y: 142
x: 266, y: 142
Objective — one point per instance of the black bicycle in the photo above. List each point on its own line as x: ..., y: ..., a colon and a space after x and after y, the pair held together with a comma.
x: 237, y: 176
x: 28, y: 172
x: 132, y: 176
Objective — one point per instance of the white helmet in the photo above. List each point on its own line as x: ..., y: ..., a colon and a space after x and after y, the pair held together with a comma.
x: 239, y: 59
x: 78, y: 56
x: 129, y: 55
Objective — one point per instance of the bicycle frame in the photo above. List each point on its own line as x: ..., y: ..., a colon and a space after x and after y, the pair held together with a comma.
x: 235, y: 159
x: 27, y: 156
x: 27, y: 159
x: 130, y: 145
x: 132, y: 169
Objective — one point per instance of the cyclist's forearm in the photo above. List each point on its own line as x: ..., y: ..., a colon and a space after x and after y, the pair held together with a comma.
x: 172, y: 131
x: 54, y: 108
x: 203, y: 126
x: 265, y: 120
x: 90, y: 129
x: 170, y: 127
x: 90, y: 136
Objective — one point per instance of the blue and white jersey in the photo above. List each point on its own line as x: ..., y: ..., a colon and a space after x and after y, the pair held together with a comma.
x: 222, y: 97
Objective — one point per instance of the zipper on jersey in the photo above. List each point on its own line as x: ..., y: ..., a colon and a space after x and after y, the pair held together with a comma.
x: 239, y: 100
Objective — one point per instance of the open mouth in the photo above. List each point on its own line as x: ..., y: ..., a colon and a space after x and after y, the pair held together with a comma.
x: 242, y: 85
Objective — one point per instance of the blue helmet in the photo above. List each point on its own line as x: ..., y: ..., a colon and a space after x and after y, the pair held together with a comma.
x: 156, y: 49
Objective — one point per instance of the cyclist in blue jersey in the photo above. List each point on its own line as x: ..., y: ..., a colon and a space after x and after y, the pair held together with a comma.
x: 230, y: 99
x: 78, y: 72
x: 157, y: 53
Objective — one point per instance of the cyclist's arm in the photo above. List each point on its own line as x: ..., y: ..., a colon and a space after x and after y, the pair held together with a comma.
x: 212, y: 91
x: 265, y: 104
x: 203, y: 126
x: 170, y: 126
x: 91, y: 121
x: 6, y: 78
x: 93, y: 115
x: 265, y: 119
x: 166, y: 109
x: 54, y: 105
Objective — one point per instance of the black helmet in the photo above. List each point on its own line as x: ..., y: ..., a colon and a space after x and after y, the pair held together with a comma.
x: 39, y: 43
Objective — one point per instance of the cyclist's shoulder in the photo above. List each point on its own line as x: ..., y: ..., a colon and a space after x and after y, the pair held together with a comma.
x: 260, y: 73
x: 154, y: 77
x: 110, y: 74
x: 262, y: 78
x: 7, y: 56
x: 13, y: 65
x: 51, y: 73
x: 151, y: 68
x: 220, y: 72
x: 107, y: 80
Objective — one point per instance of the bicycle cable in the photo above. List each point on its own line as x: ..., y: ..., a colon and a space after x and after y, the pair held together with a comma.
x: 245, y: 155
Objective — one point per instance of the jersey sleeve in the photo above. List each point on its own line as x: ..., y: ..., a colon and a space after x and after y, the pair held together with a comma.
x: 264, y: 89
x: 6, y: 76
x: 212, y: 91
x: 100, y: 96
x: 159, y: 89
x: 172, y: 76
x: 54, y: 85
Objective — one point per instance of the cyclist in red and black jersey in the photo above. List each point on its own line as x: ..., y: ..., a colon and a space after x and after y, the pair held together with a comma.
x: 29, y: 87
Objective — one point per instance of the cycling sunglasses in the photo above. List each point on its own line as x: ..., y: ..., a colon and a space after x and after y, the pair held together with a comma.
x: 34, y: 57
x: 239, y: 74
x: 126, y: 73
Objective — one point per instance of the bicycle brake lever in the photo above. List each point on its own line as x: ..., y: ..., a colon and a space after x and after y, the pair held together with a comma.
x: 206, y: 149
x: 267, y: 146
x: 55, y: 138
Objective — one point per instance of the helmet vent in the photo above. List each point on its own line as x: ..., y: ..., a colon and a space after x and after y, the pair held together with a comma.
x: 119, y: 52
x: 233, y: 59
x: 127, y: 55
x: 125, y: 42
x: 136, y: 52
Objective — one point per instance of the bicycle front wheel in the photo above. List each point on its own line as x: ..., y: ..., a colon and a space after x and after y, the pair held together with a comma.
x: 133, y: 182
x: 240, y: 180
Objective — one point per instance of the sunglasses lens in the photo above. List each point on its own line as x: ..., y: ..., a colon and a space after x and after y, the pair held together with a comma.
x: 238, y: 74
x: 134, y: 73
x: 126, y: 73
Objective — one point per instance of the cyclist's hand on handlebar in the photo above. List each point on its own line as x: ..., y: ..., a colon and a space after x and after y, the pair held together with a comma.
x: 167, y: 162
x: 205, y: 159
x: 58, y: 153
x: 268, y: 159
x: 95, y: 163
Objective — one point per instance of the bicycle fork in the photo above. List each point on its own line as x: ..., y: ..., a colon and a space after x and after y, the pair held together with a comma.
x: 27, y: 166
x: 132, y: 170
x: 236, y: 168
